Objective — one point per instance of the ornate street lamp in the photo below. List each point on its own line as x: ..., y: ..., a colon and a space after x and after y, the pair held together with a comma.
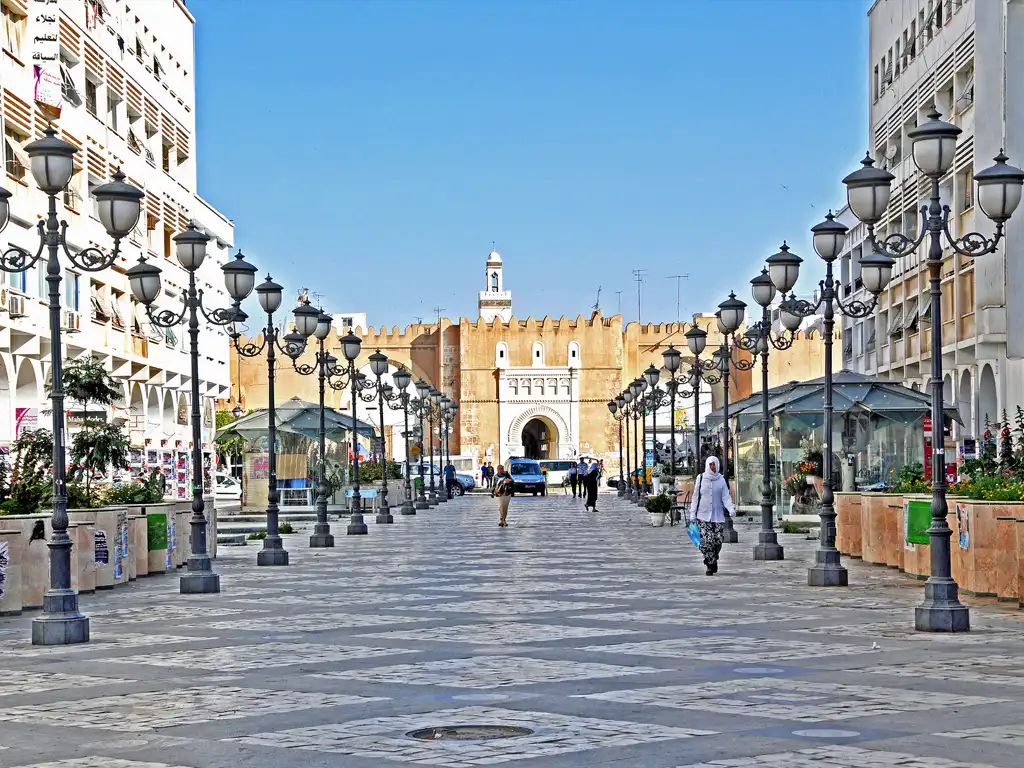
x: 145, y: 282
x: 371, y: 391
x: 270, y: 294
x: 420, y: 408
x: 783, y: 269
x: 636, y: 388
x: 999, y: 194
x: 433, y: 412
x: 397, y: 397
x: 51, y: 161
x: 340, y: 378
x: 625, y: 403
x: 615, y: 408
x: 447, y: 416
x: 310, y: 321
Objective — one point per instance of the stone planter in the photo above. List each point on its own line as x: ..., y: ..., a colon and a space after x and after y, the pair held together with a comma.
x: 657, y: 519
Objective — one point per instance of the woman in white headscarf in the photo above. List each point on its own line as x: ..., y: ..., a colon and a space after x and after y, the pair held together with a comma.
x: 711, y: 503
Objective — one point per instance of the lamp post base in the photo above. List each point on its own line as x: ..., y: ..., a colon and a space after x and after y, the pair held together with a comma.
x: 827, y: 571
x: 768, y: 547
x: 422, y: 504
x: 321, y: 537
x: 61, y: 623
x: 942, y: 610
x: 621, y: 490
x: 729, y: 535
x: 273, y: 553
x: 199, y: 579
x: 384, y: 516
x: 356, y: 526
x: 408, y: 508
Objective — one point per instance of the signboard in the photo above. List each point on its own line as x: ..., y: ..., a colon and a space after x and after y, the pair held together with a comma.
x: 917, y: 519
x: 963, y: 526
x: 44, y: 32
x: 156, y: 530
x: 4, y: 561
x: 259, y: 467
x: 969, y: 448
x: 101, y: 550
x: 25, y: 420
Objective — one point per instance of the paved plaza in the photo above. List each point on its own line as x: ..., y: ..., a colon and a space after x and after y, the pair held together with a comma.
x: 596, y: 635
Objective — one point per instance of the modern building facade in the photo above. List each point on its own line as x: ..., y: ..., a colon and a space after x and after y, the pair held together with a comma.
x: 117, y: 80
x: 959, y: 56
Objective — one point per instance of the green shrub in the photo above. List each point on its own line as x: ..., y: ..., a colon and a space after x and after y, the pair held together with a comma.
x: 659, y: 504
x: 257, y: 536
x: 910, y: 479
x: 285, y: 528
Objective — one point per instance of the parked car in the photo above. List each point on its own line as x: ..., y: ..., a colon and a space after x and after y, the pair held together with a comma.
x: 558, y: 470
x: 463, y: 482
x: 526, y: 476
x: 227, y: 487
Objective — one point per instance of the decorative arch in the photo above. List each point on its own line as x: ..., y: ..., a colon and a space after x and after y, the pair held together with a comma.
x: 988, y: 397
x: 575, y: 361
x: 167, y: 421
x: 538, y: 412
x: 965, y: 401
x: 537, y: 354
x: 28, y: 395
x: 153, y: 408
x: 501, y: 355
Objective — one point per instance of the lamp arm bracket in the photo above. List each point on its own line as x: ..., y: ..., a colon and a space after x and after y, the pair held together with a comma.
x: 856, y: 307
x: 780, y: 341
x: 219, y: 315
x: 305, y: 369
x: 16, y: 259
x: 249, y: 349
x: 168, y: 318
x: 972, y: 244
x: 897, y: 245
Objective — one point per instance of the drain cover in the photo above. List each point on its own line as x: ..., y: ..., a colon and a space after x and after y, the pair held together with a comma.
x: 468, y: 732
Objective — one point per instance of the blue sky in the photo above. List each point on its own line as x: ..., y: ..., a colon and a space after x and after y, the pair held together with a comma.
x: 373, y: 150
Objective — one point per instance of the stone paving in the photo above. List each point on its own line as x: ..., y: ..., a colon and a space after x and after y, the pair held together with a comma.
x: 597, y: 634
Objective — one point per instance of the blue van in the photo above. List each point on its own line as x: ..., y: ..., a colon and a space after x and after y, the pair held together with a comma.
x: 526, y: 476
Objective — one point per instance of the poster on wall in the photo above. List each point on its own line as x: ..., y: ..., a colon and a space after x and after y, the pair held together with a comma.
x: 917, y: 519
x: 4, y: 560
x: 171, y: 545
x: 44, y: 32
x: 963, y: 526
x: 25, y: 420
x: 120, y: 543
x: 101, y: 550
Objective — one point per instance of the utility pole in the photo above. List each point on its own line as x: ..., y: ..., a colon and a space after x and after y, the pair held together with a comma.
x: 638, y: 275
x: 678, y: 278
x: 618, y: 296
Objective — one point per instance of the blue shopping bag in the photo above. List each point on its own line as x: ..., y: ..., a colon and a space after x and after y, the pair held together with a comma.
x: 694, y: 532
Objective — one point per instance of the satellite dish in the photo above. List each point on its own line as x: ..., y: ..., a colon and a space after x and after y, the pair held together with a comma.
x: 892, y: 151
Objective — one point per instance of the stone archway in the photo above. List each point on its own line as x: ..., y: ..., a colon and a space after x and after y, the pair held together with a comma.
x: 540, y: 439
x: 550, y: 419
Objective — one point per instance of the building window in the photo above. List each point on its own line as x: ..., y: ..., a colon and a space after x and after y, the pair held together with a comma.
x: 68, y: 87
x: 18, y: 280
x: 95, y: 13
x: 501, y: 355
x: 112, y: 108
x: 574, y: 354
x: 15, y: 159
x: 494, y: 282
x: 72, y: 197
x: 156, y: 67
x: 91, y: 98
x: 165, y: 157
x: 71, y: 290
x: 14, y: 31
x: 538, y: 353
x: 168, y: 250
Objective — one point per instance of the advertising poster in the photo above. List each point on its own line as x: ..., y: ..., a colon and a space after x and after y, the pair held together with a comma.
x: 101, y: 548
x: 120, y: 544
x: 4, y: 561
x: 963, y: 526
x: 156, y: 531
x: 171, y: 545
x: 25, y: 420
x: 44, y: 29
x: 917, y: 519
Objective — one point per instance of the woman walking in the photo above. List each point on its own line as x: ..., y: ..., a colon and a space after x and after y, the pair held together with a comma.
x: 711, y: 502
x: 590, y: 483
x: 502, y: 491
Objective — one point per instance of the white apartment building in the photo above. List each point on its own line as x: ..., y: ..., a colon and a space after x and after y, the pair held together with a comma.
x: 964, y: 58
x: 122, y: 90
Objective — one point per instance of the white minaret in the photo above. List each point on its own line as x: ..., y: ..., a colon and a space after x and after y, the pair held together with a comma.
x: 495, y: 301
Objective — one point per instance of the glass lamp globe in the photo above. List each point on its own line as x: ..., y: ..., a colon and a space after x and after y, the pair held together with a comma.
x: 350, y: 346
x: 422, y: 389
x: 651, y: 376
x: 999, y: 189
x: 269, y: 294
x: 672, y: 358
x: 784, y: 268
x: 52, y: 163
x: 306, y: 319
x: 763, y: 289
x: 190, y: 247
x: 378, y: 363
x: 239, y: 277
x: 696, y: 339
x: 323, y: 326
x: 402, y: 378
x: 144, y: 281
x: 612, y: 407
x: 829, y: 237
x: 732, y: 311
x: 934, y: 144
x: 867, y: 191
x: 118, y: 206
x: 876, y: 272
x: 294, y: 344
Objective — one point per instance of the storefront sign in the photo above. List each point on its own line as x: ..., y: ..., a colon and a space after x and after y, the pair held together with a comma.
x: 25, y: 420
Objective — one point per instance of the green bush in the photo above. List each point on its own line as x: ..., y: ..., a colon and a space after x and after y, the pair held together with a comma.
x: 659, y: 504
x: 285, y: 528
x: 910, y: 479
x: 148, y: 492
x: 257, y: 536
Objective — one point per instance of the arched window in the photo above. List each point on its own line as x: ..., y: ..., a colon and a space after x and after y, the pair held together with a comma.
x: 494, y: 281
x: 501, y: 355
x: 574, y: 354
x: 537, y: 356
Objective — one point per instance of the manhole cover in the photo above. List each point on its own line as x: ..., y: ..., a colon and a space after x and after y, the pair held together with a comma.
x: 468, y: 732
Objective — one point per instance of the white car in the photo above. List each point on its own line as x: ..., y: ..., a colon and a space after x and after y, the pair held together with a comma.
x: 227, y: 487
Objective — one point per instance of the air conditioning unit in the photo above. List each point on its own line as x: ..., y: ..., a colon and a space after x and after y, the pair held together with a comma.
x: 16, y: 305
x: 72, y: 321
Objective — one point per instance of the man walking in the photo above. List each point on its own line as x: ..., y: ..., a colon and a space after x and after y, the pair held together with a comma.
x: 572, y: 477
x: 449, y: 478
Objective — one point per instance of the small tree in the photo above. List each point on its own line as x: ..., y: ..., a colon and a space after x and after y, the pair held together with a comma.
x: 30, y: 478
x: 99, y: 446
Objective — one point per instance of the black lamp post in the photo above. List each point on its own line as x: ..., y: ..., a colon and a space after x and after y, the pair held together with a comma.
x: 371, y: 390
x: 636, y: 388
x: 310, y: 321
x: 439, y: 414
x: 626, y: 413
x: 340, y: 379
x: 656, y: 399
x: 672, y: 359
x: 145, y: 282
x: 421, y: 407
x: 433, y: 408
x: 269, y: 294
x: 615, y: 408
x: 118, y: 208
x: 783, y: 269
x: 448, y: 412
x: 398, y: 397
x: 999, y: 194
x: 759, y: 340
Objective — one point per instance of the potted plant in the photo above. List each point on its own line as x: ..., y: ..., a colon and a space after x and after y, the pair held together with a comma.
x: 658, y: 506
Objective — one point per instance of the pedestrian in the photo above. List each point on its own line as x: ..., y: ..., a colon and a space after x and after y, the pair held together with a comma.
x: 490, y: 475
x: 572, y: 477
x: 711, y: 503
x: 449, y: 478
x: 502, y: 491
x: 593, y: 477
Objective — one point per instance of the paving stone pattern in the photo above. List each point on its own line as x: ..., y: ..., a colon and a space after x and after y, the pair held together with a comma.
x: 598, y: 634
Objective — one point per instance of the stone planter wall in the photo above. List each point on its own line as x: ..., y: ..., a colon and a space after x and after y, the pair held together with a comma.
x: 28, y: 572
x: 870, y: 526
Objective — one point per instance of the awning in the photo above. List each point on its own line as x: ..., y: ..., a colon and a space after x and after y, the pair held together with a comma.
x: 17, y: 149
x: 910, y: 324
x: 100, y: 304
x: 926, y: 308
x: 896, y: 321
x: 299, y: 417
x: 70, y: 90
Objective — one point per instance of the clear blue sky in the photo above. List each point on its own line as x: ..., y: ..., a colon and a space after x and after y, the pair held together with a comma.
x: 373, y: 150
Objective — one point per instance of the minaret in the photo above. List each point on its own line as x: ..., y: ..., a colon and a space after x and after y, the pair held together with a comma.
x: 494, y: 301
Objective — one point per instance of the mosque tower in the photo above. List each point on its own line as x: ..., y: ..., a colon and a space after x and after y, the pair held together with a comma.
x: 494, y: 301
